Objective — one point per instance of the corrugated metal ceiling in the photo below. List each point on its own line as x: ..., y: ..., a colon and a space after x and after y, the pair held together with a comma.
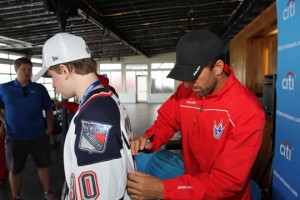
x: 117, y: 28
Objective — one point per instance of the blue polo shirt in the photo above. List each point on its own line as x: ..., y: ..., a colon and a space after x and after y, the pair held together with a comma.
x: 24, y: 109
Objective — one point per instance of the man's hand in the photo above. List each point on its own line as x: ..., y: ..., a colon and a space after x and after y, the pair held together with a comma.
x: 144, y: 186
x: 140, y: 143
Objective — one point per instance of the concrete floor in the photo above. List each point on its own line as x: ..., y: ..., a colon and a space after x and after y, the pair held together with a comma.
x: 142, y: 116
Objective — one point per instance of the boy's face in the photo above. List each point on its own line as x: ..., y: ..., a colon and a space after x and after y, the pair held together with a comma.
x: 60, y: 84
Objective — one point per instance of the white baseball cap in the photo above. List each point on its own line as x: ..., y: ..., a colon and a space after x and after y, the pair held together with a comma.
x: 62, y: 48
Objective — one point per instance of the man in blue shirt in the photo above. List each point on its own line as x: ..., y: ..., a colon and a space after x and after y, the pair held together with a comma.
x: 26, y: 129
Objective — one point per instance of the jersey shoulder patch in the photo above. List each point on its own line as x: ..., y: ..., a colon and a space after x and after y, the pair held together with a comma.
x: 94, y: 136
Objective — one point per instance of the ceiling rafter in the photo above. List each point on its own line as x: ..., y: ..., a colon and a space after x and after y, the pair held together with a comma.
x: 122, y: 27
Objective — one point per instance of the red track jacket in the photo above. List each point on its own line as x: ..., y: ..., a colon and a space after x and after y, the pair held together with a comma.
x: 221, y: 136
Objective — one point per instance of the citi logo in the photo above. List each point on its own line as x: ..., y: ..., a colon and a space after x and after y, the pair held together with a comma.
x: 290, y: 10
x: 288, y: 82
x: 286, y: 150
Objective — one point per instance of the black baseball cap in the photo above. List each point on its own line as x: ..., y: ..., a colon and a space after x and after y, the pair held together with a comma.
x: 193, y: 51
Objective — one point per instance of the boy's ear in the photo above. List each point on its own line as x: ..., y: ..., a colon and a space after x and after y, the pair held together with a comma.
x: 65, y: 71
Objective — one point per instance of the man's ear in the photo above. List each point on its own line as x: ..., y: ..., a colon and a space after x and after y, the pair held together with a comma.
x: 219, y: 66
x: 65, y: 71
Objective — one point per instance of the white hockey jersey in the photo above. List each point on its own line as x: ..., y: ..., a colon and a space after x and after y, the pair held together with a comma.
x: 97, y: 153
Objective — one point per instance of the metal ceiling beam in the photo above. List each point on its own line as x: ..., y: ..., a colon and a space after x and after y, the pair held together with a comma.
x: 96, y: 17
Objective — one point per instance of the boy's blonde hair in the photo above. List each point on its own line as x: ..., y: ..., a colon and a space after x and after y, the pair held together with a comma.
x: 83, y: 66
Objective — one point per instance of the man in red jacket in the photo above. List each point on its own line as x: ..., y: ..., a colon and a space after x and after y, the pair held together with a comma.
x: 221, y: 123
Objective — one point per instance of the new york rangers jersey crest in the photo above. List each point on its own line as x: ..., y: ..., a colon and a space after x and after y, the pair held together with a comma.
x: 94, y: 136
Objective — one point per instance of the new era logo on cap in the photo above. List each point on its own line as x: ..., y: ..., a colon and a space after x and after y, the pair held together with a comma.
x: 54, y: 58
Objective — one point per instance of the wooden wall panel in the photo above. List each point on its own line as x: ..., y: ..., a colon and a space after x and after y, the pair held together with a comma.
x: 238, y: 56
x: 269, y: 15
x: 254, y: 27
x: 239, y: 70
x: 273, y: 55
x: 258, y: 62
x: 253, y: 51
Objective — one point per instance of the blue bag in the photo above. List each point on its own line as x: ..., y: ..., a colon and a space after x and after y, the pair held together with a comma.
x: 162, y: 164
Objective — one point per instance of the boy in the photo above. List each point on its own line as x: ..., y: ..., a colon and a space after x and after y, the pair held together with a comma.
x: 96, y: 153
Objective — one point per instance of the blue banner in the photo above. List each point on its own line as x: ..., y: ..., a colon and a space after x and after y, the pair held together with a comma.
x: 286, y: 163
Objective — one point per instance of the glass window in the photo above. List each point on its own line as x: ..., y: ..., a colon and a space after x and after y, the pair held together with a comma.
x: 136, y: 67
x: 12, y: 70
x: 3, y: 55
x: 4, y: 68
x: 159, y: 81
x: 52, y: 95
x: 14, y: 56
x: 47, y: 80
x: 36, y: 60
x: 156, y: 82
x: 130, y: 82
x: 168, y: 83
x: 49, y: 87
x: 114, y: 74
x: 35, y: 70
x: 162, y: 65
x: 110, y: 67
x: 133, y: 70
x: 4, y: 78
x: 116, y: 80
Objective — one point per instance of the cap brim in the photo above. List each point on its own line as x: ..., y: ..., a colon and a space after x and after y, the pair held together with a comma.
x: 41, y: 73
x: 184, y: 72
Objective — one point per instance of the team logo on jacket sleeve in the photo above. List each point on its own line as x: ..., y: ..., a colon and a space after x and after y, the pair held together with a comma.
x: 218, y: 129
x: 94, y: 136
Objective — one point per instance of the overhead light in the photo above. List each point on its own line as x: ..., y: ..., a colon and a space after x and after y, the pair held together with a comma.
x: 2, y: 44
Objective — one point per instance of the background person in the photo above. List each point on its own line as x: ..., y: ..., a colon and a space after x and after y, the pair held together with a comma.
x: 97, y: 154
x: 221, y: 123
x: 26, y: 132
